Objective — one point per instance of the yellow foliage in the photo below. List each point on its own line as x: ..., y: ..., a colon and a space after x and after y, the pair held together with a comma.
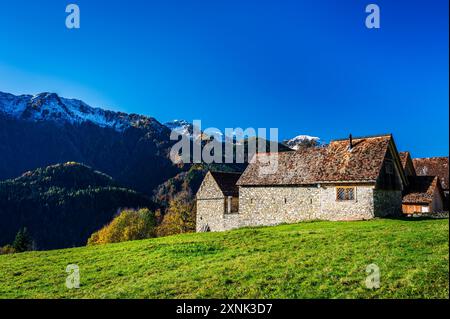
x: 180, y: 218
x: 128, y: 225
x: 6, y: 250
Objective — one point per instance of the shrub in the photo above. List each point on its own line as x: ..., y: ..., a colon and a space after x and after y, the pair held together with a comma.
x: 179, y: 218
x: 6, y: 250
x: 128, y: 225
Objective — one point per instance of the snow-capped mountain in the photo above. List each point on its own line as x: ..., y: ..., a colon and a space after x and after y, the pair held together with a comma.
x: 44, y: 129
x: 51, y: 107
x: 302, y: 140
x: 183, y: 127
x: 180, y: 126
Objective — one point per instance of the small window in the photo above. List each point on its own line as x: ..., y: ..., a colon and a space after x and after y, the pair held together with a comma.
x: 345, y: 193
x: 285, y: 200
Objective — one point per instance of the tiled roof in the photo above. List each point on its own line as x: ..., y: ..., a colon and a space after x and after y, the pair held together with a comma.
x: 227, y: 182
x: 433, y: 166
x: 407, y: 164
x: 404, y: 158
x: 421, y: 189
x: 333, y: 163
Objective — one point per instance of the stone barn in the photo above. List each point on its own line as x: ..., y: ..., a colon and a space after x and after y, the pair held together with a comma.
x: 350, y: 179
x: 218, y: 202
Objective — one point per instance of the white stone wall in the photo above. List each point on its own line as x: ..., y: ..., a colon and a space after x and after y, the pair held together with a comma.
x: 210, y: 212
x: 275, y: 205
x: 231, y: 221
x: 271, y: 205
x: 210, y: 205
x: 359, y: 208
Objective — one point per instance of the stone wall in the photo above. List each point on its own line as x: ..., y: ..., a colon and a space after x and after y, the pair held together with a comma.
x: 387, y: 203
x: 272, y: 205
x: 275, y: 205
x: 210, y: 206
x: 359, y: 208
x: 231, y: 221
x: 210, y: 213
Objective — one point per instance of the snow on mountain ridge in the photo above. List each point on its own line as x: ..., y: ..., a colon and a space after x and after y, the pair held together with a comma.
x: 299, y: 140
x: 180, y: 126
x: 51, y: 107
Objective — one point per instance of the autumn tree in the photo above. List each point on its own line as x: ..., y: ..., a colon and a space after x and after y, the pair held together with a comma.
x: 6, y: 250
x: 179, y: 218
x: 128, y: 225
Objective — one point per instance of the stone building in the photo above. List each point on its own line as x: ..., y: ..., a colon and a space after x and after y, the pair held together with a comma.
x: 435, y: 166
x: 350, y: 179
x: 218, y: 202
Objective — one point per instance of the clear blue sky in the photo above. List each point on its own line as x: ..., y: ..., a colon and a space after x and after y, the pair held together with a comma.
x: 306, y: 67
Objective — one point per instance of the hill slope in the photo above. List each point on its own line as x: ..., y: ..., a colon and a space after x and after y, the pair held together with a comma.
x: 41, y: 130
x: 62, y: 205
x: 307, y: 260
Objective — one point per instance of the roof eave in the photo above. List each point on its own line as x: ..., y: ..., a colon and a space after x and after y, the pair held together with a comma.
x: 313, y: 183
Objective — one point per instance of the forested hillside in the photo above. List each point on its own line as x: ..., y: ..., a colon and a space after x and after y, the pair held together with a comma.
x: 62, y: 205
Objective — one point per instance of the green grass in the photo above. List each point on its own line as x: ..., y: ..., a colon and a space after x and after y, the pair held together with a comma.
x: 306, y: 260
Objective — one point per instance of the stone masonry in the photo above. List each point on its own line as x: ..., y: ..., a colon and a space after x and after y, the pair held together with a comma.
x: 355, y: 179
x: 275, y: 205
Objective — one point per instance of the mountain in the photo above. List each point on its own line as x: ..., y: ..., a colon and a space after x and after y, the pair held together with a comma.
x: 302, y: 141
x: 183, y: 127
x: 180, y: 126
x: 62, y: 205
x: 51, y: 107
x: 186, y: 128
x: 45, y: 129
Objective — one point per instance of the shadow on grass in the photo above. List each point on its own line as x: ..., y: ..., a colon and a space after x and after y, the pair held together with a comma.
x: 415, y: 218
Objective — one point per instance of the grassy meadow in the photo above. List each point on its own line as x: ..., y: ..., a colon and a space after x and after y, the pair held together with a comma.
x: 305, y: 260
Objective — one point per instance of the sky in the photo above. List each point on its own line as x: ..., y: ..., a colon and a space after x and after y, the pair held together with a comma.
x: 304, y: 67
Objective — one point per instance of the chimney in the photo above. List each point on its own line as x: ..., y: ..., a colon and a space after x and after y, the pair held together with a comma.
x: 350, y: 145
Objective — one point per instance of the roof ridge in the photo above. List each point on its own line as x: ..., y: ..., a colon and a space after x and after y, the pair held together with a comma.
x: 361, y: 137
x: 220, y: 172
x: 432, y: 157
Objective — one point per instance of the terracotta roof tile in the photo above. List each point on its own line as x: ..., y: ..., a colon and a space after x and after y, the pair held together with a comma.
x: 333, y: 163
x: 404, y: 158
x: 421, y: 189
x: 433, y: 166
